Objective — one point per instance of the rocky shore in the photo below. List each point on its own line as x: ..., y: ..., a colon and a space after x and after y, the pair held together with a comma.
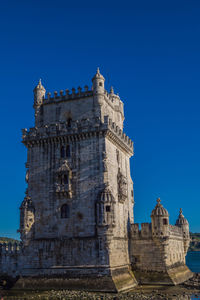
x: 186, y: 291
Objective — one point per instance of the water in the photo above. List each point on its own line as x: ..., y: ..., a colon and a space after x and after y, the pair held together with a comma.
x: 193, y: 261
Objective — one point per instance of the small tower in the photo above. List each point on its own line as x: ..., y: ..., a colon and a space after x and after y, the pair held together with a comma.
x: 184, y: 225
x: 98, y: 83
x: 160, y: 220
x: 39, y: 94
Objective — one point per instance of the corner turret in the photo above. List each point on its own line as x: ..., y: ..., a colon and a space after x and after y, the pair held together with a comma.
x: 98, y: 83
x: 184, y: 225
x: 160, y: 220
x: 39, y: 94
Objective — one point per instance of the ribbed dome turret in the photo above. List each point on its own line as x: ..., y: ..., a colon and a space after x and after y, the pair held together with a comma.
x: 159, y: 210
x: 106, y: 196
x: 39, y: 86
x: 39, y: 94
x: 98, y: 75
x: 181, y: 219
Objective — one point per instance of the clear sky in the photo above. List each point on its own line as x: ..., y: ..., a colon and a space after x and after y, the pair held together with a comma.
x: 148, y: 50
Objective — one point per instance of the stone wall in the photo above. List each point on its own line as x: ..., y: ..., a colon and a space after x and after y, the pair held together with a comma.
x: 10, y: 259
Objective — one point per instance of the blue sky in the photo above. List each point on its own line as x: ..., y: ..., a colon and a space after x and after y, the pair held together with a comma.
x: 148, y: 50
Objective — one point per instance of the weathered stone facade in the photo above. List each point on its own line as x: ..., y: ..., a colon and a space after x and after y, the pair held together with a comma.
x: 76, y: 220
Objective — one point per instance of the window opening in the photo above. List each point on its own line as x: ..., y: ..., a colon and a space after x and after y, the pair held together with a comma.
x: 65, y: 179
x: 69, y: 122
x: 62, y: 152
x: 165, y: 222
x: 107, y: 208
x: 64, y: 211
x: 67, y: 151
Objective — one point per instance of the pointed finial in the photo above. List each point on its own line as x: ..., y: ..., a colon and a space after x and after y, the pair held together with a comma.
x: 39, y: 83
x: 181, y: 211
x: 98, y: 75
x: 111, y: 90
x: 158, y: 201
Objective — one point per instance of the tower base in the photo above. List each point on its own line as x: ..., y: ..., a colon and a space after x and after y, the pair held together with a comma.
x: 113, y: 280
x: 173, y: 276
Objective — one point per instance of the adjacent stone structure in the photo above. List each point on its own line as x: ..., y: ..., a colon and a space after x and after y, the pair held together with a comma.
x: 76, y: 220
x: 158, y: 250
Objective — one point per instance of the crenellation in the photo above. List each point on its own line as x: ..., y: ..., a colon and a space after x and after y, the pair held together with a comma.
x: 135, y: 230
x: 175, y: 230
x: 67, y: 96
x: 146, y: 231
x: 55, y: 94
x: 8, y: 249
x: 79, y: 91
x: 48, y: 96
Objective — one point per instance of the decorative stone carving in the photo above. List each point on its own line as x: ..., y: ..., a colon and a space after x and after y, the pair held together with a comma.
x: 27, y: 218
x: 63, y: 184
x: 122, y: 187
x: 105, y: 208
x: 27, y: 176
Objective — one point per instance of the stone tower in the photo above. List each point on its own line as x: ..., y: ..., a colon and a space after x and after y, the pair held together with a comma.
x: 76, y: 215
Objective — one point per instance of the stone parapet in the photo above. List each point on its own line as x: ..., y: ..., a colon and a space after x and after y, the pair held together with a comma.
x: 9, y: 259
x: 175, y: 231
x: 145, y: 231
x: 9, y: 248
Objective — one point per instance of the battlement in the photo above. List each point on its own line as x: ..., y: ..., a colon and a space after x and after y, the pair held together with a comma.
x: 114, y: 128
x: 7, y: 249
x: 78, y: 127
x: 61, y: 96
x: 66, y: 95
x: 175, y: 231
x: 10, y: 255
x: 144, y: 232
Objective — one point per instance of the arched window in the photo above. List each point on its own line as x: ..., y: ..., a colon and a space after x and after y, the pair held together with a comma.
x: 62, y: 151
x: 64, y: 211
x: 67, y: 151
